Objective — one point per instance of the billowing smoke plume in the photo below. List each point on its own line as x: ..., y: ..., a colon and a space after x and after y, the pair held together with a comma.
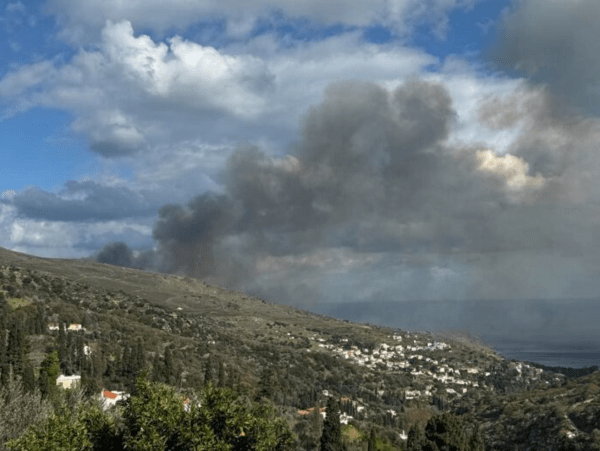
x: 375, y: 202
x: 116, y: 253
x: 374, y: 198
x: 556, y: 43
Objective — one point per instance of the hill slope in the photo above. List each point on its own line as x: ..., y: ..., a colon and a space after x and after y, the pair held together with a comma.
x: 186, y: 332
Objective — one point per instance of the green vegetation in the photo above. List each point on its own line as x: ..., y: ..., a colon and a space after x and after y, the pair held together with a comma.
x: 156, y: 417
x: 15, y: 303
x: 264, y: 368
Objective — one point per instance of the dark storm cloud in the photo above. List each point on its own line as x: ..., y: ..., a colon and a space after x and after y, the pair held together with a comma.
x: 80, y: 201
x: 555, y: 42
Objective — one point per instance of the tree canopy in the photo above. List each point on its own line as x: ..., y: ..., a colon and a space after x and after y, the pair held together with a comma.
x: 158, y: 418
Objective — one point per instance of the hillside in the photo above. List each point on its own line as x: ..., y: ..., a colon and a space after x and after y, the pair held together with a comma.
x: 185, y: 332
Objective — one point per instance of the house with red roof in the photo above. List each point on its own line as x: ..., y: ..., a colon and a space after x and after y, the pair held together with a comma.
x: 110, y: 398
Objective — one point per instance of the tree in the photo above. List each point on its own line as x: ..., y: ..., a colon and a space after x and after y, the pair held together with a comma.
x: 49, y: 371
x: 331, y: 438
x: 445, y: 432
x: 17, y: 346
x: 222, y: 375
x: 28, y: 378
x: 372, y: 439
x: 20, y: 409
x: 138, y: 358
x: 156, y: 418
x: 208, y: 371
x: 416, y: 439
x: 62, y: 342
x: 266, y: 384
x: 88, y: 429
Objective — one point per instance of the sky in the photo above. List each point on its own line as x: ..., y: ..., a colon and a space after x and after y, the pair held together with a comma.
x: 309, y: 152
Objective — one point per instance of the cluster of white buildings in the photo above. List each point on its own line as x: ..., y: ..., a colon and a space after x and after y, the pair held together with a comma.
x: 409, y: 357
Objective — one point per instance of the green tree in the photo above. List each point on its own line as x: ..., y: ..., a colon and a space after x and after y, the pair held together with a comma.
x: 88, y: 429
x: 28, y: 378
x: 156, y: 418
x: 266, y: 384
x: 331, y: 438
x: 372, y: 440
x: 416, y: 439
x: 19, y: 409
x: 208, y: 370
x: 49, y: 371
x: 222, y: 375
x: 169, y: 369
x: 62, y: 342
x: 138, y: 358
x: 16, y: 347
x: 445, y: 432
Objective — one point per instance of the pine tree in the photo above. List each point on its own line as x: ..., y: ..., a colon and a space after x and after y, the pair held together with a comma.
x: 169, y: 366
x: 416, y: 439
x: 476, y: 441
x: 40, y: 320
x: 49, y: 371
x: 62, y: 343
x: 80, y: 357
x: 316, y: 422
x: 138, y: 358
x: 126, y: 367
x: 158, y: 370
x: 372, y: 438
x: 222, y: 375
x: 28, y: 378
x: 266, y: 384
x: 331, y: 438
x: 17, y: 347
x: 208, y: 371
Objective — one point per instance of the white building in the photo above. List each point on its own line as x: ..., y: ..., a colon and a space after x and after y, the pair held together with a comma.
x: 110, y: 398
x: 68, y: 381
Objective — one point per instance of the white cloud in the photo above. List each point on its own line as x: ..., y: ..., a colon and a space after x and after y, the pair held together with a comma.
x: 132, y: 92
x: 57, y: 239
x: 510, y: 168
x: 132, y: 89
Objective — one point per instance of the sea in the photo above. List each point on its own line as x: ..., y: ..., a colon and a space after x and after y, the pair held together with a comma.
x: 568, y: 358
x: 557, y: 332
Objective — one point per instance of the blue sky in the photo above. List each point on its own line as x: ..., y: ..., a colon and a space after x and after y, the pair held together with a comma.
x: 422, y: 150
x: 42, y: 150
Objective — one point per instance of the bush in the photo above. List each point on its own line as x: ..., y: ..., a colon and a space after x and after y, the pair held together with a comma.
x: 157, y: 418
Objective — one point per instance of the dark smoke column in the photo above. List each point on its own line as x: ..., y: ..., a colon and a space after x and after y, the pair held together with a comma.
x: 187, y: 235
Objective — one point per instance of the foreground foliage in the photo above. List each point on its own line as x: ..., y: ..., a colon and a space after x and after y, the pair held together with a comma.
x: 157, y: 418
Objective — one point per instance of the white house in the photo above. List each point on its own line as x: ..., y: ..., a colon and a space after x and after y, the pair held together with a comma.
x: 68, y: 381
x: 110, y: 398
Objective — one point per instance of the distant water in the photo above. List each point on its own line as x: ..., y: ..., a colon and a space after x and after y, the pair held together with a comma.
x: 559, y: 332
x: 573, y: 358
